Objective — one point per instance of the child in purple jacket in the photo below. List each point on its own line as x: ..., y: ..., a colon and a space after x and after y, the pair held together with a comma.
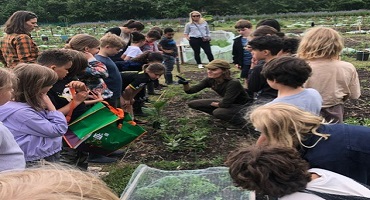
x: 31, y: 117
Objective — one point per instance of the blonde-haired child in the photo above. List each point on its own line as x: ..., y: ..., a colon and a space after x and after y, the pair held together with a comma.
x: 110, y: 46
x: 31, y: 117
x: 341, y: 148
x: 53, y: 183
x: 334, y: 79
x: 9, y: 149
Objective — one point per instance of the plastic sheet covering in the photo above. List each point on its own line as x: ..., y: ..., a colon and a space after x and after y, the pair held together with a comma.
x: 225, y: 53
x: 212, y: 183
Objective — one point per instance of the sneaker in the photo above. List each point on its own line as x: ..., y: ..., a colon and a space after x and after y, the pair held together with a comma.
x: 200, y: 66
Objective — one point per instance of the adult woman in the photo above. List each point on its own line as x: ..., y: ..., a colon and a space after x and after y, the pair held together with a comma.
x: 124, y: 32
x: 340, y: 148
x: 197, y: 32
x: 17, y: 45
x: 231, y: 90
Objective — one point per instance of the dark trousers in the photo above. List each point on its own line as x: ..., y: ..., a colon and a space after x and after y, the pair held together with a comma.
x: 233, y: 114
x: 196, y: 44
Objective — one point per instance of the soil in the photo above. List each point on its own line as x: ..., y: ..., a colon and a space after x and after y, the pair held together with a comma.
x: 150, y: 148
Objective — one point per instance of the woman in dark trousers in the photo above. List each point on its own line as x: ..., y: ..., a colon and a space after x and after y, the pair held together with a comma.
x: 234, y: 97
x: 197, y: 32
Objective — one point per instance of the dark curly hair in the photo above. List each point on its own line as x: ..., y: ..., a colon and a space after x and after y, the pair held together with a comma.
x: 287, y: 70
x: 270, y: 170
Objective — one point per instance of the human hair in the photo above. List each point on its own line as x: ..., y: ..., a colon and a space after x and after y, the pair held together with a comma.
x: 269, y: 22
x: 137, y: 37
x: 290, y: 45
x: 53, y: 183
x: 132, y: 24
x: 242, y: 23
x: 148, y: 57
x: 156, y: 68
x: 16, y: 22
x: 7, y: 78
x: 168, y: 30
x: 272, y: 43
x: 79, y: 62
x: 285, y: 124
x: 266, y: 30
x: 153, y: 34
x: 55, y: 57
x: 31, y: 79
x: 201, y: 19
x: 226, y: 74
x: 287, y: 70
x: 157, y: 28
x: 270, y: 170
x: 80, y: 41
x: 112, y: 40
x: 320, y: 42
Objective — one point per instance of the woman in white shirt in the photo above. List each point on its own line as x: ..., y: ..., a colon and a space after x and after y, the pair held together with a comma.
x: 197, y: 32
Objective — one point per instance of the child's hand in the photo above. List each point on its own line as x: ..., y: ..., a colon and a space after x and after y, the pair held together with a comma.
x: 47, y: 102
x: 237, y: 66
x: 81, y: 96
x: 97, y: 95
x: 125, y: 103
x: 77, y: 85
x: 88, y: 55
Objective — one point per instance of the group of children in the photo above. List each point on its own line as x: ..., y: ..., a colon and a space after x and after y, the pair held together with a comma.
x: 299, y: 155
x: 65, y: 83
x: 35, y: 117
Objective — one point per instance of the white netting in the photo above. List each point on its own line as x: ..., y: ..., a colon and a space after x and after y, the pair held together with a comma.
x: 224, y: 53
x: 204, y: 184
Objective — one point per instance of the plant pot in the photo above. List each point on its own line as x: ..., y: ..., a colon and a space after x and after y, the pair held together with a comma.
x: 362, y: 56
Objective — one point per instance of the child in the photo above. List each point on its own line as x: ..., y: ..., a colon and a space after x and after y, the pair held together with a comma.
x: 290, y: 47
x: 151, y: 44
x: 134, y: 82
x: 32, y: 118
x: 168, y: 46
x: 341, y: 148
x: 138, y: 40
x: 263, y: 48
x: 53, y: 182
x: 110, y: 45
x: 136, y: 64
x: 241, y: 56
x: 96, y: 70
x: 280, y: 172
x: 62, y: 98
x: 150, y: 41
x: 335, y: 80
x: 287, y: 75
x: 61, y: 61
x: 11, y: 156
